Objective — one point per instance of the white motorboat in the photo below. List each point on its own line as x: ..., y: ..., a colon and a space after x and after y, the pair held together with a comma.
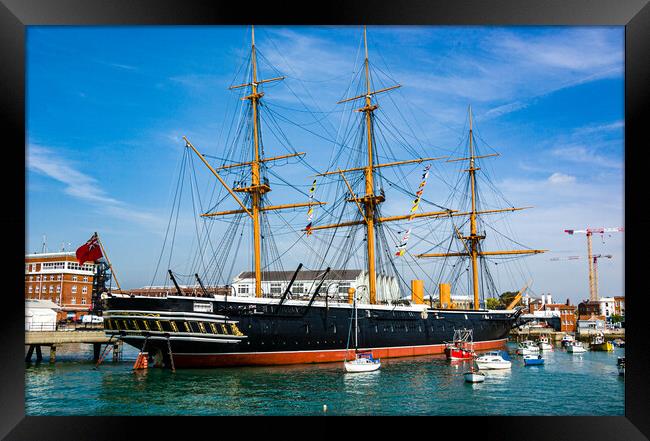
x: 576, y: 347
x: 568, y: 338
x: 493, y: 360
x: 544, y: 343
x: 474, y: 376
x: 527, y: 348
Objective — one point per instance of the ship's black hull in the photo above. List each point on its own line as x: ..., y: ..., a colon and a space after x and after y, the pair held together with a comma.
x: 206, y: 332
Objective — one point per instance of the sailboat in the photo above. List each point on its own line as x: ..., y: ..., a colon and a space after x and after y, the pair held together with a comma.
x: 281, y: 317
x: 363, y: 361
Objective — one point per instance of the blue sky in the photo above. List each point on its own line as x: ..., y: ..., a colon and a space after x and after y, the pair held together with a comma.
x: 107, y: 107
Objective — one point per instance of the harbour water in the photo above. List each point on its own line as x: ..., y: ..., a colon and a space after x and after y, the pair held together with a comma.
x: 586, y: 384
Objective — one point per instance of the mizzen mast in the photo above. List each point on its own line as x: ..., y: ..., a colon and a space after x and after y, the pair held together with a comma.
x: 472, y: 243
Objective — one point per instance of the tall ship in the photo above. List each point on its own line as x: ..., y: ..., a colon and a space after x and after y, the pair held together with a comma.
x: 269, y: 315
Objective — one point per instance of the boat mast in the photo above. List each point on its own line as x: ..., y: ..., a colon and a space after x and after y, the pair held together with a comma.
x: 356, y: 325
x: 257, y: 188
x: 473, y: 251
x: 473, y: 237
x: 369, y: 200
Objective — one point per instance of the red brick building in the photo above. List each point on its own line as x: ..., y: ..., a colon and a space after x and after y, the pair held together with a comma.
x: 567, y: 315
x: 58, y: 277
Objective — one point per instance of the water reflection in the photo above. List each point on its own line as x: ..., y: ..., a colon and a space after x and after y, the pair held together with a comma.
x: 427, y: 385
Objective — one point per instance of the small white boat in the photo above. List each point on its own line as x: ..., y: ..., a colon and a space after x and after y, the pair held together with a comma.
x: 493, y: 360
x: 527, y: 348
x: 544, y: 344
x: 568, y: 338
x: 474, y: 376
x: 363, y: 363
x: 576, y: 347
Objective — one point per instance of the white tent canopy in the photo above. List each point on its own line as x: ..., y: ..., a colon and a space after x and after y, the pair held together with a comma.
x: 40, y: 315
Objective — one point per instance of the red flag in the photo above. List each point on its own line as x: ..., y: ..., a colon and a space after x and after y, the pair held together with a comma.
x: 90, y: 251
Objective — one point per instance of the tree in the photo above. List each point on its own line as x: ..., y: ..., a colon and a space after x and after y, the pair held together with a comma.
x: 507, y: 297
x: 493, y: 303
x: 616, y: 318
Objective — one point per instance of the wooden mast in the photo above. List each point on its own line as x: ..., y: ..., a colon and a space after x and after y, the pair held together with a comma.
x: 257, y: 188
x: 369, y: 199
x: 474, y: 239
x: 256, y: 194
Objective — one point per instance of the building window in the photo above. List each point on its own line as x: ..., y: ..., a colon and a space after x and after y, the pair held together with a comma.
x: 83, y: 300
x: 343, y: 287
x: 73, y: 300
x: 74, y: 278
x: 74, y: 288
x: 298, y: 288
x: 31, y: 278
x: 242, y: 289
x: 31, y: 289
x: 38, y: 288
x: 51, y: 288
x: 85, y: 278
x: 58, y: 288
x: 276, y: 288
x: 84, y: 290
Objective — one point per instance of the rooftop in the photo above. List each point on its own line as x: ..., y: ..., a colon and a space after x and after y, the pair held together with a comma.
x: 58, y: 254
x: 283, y: 276
x: 41, y: 304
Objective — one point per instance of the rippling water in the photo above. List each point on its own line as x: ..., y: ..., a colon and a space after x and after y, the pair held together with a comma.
x: 586, y: 384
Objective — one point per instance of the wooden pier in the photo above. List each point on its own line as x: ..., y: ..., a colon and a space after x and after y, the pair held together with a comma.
x: 534, y: 333
x: 585, y: 335
x: 52, y: 339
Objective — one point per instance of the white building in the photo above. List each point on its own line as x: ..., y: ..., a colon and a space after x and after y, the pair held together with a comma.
x: 40, y: 315
x: 607, y: 306
x: 337, y: 282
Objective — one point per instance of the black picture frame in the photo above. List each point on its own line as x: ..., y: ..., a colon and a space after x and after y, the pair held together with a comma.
x: 633, y: 14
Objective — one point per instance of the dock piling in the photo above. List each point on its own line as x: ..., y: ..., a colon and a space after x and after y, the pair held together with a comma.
x: 96, y: 351
x: 30, y: 351
x: 117, y: 351
x: 52, y: 354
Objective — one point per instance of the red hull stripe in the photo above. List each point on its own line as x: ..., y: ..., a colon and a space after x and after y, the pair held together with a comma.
x: 303, y: 357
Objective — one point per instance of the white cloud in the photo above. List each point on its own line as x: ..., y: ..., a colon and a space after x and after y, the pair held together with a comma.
x: 561, y: 178
x: 47, y: 162
x: 586, y: 156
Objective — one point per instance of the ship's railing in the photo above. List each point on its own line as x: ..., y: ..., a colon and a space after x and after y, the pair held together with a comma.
x: 40, y: 326
x: 52, y: 326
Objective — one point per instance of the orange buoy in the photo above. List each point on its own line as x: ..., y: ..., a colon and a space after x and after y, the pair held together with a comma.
x: 141, y: 362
